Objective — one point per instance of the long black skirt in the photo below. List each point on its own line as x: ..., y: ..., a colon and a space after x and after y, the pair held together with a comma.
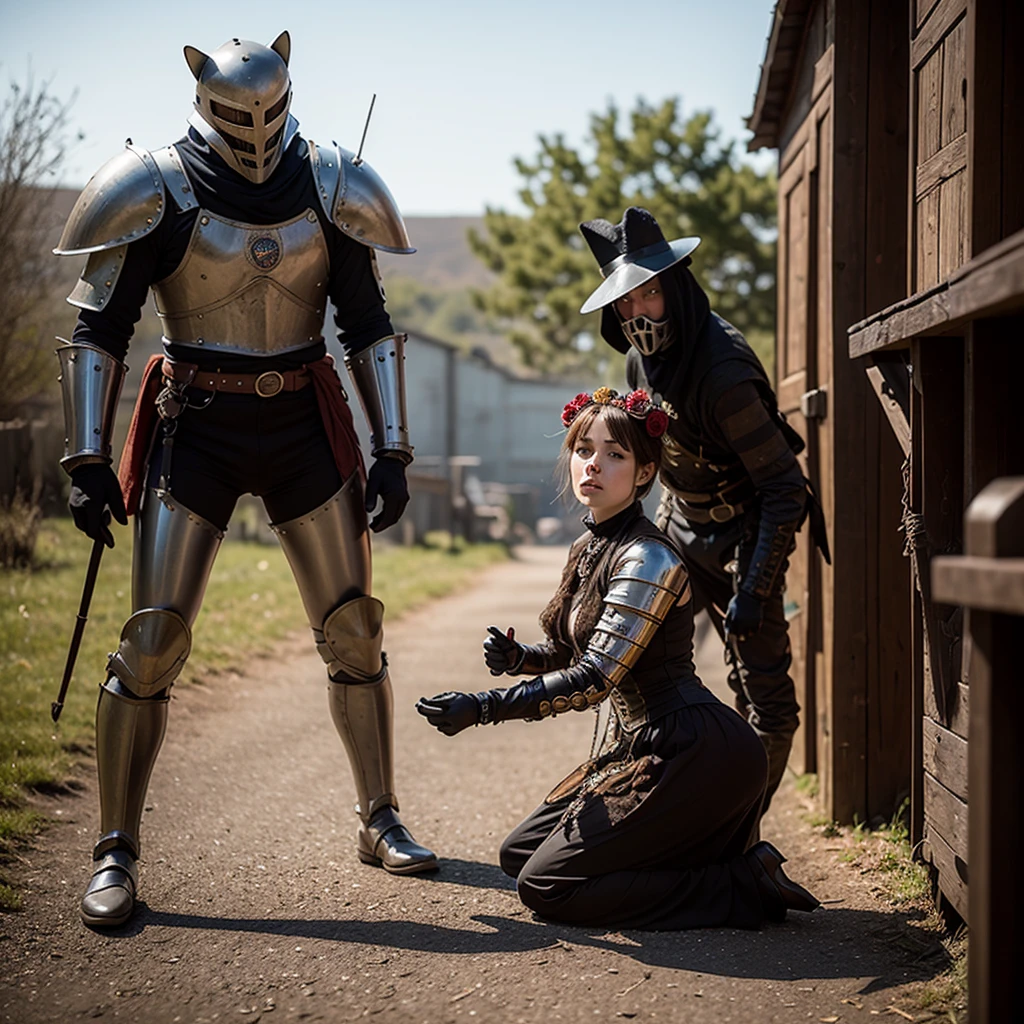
x: 660, y: 845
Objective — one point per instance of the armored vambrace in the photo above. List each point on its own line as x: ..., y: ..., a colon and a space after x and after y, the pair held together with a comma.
x: 772, y: 547
x: 647, y: 580
x: 90, y: 381
x: 378, y: 375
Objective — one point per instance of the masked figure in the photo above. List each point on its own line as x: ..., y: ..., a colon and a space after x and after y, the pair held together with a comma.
x: 733, y: 492
x: 244, y: 231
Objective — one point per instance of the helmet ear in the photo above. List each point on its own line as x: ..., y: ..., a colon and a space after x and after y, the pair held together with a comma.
x: 196, y: 61
x: 282, y: 46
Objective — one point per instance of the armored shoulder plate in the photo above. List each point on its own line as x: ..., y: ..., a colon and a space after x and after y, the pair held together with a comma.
x: 123, y: 201
x: 648, y: 578
x: 357, y: 200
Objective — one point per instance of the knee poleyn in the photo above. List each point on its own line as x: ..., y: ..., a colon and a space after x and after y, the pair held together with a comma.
x: 155, y: 644
x: 351, y: 639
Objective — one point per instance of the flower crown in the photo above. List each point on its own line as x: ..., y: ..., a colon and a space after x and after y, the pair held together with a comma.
x: 637, y: 403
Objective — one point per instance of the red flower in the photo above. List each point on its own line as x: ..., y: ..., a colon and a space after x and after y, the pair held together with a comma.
x: 656, y: 422
x: 636, y: 400
x: 572, y: 409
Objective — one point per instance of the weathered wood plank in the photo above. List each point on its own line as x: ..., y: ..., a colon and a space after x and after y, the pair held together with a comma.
x: 848, y: 409
x: 960, y: 709
x: 923, y: 8
x: 946, y: 813
x: 945, y: 757
x: 952, y: 870
x: 989, y: 285
x: 929, y: 108
x: 985, y: 98
x: 954, y: 83
x: 926, y: 255
x: 993, y: 584
x: 939, y: 22
x: 952, y: 224
x: 941, y: 165
x: 893, y: 411
x: 797, y: 281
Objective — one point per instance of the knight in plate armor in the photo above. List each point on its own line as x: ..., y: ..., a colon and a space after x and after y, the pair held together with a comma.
x: 733, y: 492
x: 244, y: 231
x: 655, y: 830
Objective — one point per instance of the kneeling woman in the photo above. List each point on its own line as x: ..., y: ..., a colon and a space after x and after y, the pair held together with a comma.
x: 653, y: 831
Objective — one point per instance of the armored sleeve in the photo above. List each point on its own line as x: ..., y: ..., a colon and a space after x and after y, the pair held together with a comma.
x: 647, y: 579
x: 750, y: 431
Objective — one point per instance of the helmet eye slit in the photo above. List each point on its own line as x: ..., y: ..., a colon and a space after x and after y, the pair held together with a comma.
x: 231, y: 114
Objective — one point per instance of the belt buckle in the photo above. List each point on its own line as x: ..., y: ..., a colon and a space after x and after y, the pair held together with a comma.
x: 269, y: 384
x: 722, y: 513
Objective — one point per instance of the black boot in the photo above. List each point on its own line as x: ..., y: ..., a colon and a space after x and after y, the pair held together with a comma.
x: 779, y: 893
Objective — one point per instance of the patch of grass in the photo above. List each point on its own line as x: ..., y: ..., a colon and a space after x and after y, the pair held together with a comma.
x: 807, y: 785
x: 251, y: 604
x: 947, y: 994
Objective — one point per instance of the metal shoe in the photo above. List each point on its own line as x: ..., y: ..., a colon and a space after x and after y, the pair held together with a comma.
x: 110, y: 897
x: 388, y: 844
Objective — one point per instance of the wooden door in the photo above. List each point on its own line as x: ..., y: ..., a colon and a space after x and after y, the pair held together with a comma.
x: 804, y: 313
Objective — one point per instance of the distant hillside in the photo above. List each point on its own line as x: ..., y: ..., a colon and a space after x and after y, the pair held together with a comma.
x: 443, y: 259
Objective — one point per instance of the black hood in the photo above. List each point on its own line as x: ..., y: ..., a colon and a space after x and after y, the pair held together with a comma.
x: 236, y: 197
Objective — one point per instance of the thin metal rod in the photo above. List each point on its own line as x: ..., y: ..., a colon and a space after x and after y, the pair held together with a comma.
x: 369, y: 114
x: 83, y: 617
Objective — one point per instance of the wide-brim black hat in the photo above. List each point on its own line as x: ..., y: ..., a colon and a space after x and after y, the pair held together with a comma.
x: 630, y: 253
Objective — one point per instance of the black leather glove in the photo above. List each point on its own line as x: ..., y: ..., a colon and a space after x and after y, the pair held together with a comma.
x: 502, y: 653
x: 450, y: 712
x: 95, y: 488
x: 743, y: 618
x: 386, y: 480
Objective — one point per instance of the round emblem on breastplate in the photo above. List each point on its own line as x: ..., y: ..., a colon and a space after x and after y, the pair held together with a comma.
x: 264, y: 252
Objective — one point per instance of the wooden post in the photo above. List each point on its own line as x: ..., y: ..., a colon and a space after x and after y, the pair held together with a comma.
x: 990, y: 580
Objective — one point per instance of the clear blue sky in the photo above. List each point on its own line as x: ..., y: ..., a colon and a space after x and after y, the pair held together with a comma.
x: 462, y: 87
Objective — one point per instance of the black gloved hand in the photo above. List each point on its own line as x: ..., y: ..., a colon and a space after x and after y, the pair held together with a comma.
x: 450, y: 712
x: 501, y: 652
x: 386, y: 480
x: 94, y: 488
x: 744, y: 616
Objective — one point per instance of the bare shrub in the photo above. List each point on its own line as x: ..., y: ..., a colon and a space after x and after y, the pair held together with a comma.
x: 34, y: 134
x: 19, y: 528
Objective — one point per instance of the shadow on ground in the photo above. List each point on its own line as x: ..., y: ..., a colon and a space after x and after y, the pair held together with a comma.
x: 832, y: 943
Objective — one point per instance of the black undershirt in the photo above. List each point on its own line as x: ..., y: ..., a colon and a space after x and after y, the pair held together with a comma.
x: 360, y: 315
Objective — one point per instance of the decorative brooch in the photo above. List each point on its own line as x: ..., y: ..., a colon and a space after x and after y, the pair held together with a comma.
x: 637, y: 403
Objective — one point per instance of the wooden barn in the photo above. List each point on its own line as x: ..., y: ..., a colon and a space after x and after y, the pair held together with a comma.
x: 900, y: 352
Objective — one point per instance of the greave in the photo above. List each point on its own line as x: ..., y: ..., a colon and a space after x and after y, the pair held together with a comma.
x: 362, y: 714
x: 129, y: 734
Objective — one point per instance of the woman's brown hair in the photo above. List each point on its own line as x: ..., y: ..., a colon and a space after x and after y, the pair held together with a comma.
x: 628, y: 431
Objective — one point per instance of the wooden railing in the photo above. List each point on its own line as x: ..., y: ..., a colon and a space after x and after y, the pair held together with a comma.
x: 988, y: 579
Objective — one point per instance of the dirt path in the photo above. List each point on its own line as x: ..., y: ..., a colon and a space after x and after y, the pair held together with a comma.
x: 255, y: 906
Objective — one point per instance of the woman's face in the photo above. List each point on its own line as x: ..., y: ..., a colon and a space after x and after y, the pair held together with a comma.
x: 646, y: 300
x: 605, y: 475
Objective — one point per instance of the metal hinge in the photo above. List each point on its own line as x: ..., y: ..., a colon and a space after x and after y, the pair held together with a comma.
x: 814, y: 404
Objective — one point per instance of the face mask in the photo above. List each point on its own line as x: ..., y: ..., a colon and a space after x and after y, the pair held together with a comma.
x: 646, y: 335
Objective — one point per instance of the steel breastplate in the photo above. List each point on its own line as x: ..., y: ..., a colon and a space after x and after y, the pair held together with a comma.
x: 247, y: 288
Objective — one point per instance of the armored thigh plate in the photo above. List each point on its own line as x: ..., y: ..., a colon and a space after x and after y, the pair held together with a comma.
x: 155, y: 644
x: 328, y: 550
x: 174, y: 553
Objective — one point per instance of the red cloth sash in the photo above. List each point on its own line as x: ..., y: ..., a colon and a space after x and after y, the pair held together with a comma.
x: 337, y: 417
x: 135, y: 454
x: 330, y: 397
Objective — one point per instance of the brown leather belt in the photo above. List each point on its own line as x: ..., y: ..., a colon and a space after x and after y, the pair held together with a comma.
x: 265, y: 385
